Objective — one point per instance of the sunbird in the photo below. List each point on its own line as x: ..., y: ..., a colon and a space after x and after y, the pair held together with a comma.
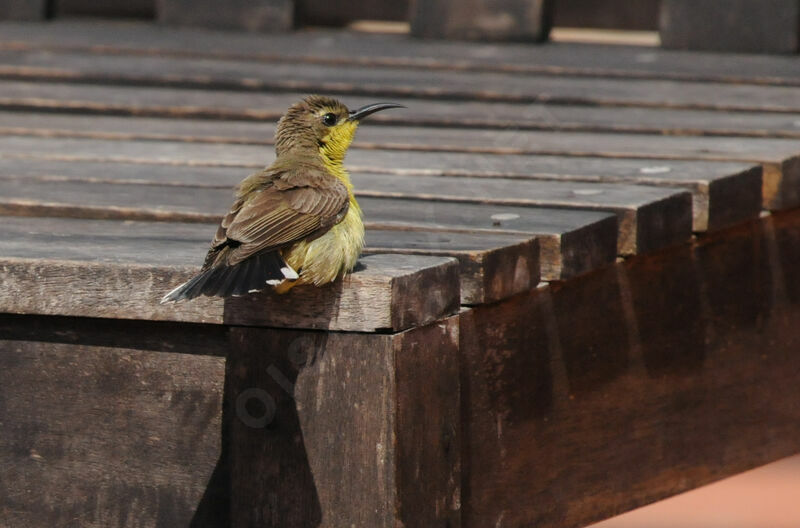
x: 297, y: 221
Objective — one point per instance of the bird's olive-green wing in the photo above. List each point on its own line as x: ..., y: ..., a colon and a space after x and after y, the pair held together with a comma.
x: 289, y: 210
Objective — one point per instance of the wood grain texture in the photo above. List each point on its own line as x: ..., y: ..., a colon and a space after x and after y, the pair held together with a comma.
x: 576, y: 160
x: 344, y: 47
x: 385, y: 82
x: 492, y: 266
x: 250, y: 15
x: 571, y: 241
x: 482, y: 19
x: 744, y: 26
x: 85, y: 274
x: 340, y: 430
x: 263, y: 108
x: 100, y: 434
x: 625, y: 386
x: 650, y: 217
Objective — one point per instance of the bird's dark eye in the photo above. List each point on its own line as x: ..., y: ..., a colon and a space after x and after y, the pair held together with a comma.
x: 329, y: 119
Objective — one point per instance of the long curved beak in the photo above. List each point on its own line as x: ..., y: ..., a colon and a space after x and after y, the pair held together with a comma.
x: 364, y: 111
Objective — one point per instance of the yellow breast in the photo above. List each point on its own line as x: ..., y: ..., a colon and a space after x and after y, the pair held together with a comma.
x: 335, y: 253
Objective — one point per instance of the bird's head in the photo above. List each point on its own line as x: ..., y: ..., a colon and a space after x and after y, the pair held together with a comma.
x: 322, y: 124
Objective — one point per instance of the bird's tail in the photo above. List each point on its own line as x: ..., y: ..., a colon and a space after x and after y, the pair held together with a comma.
x: 250, y: 275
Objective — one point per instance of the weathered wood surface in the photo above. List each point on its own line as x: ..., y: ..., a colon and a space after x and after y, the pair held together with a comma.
x: 625, y: 386
x: 492, y: 265
x: 735, y: 185
x: 496, y: 20
x: 650, y: 218
x: 48, y: 270
x: 343, y: 430
x: 744, y: 26
x: 572, y: 241
x: 383, y: 81
x: 250, y: 15
x: 266, y: 108
x: 338, y: 47
x: 110, y: 423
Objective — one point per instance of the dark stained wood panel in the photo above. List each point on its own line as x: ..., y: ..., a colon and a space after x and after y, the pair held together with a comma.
x: 744, y: 26
x: 592, y: 60
x: 104, y: 435
x: 650, y: 218
x: 342, y: 430
x: 623, y: 387
x: 383, y: 81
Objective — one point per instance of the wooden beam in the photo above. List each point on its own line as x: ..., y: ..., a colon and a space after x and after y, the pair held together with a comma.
x: 250, y: 15
x: 342, y: 430
x: 684, y: 384
x: 744, y: 26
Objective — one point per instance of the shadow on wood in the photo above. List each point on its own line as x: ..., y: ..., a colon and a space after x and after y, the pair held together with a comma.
x: 618, y: 388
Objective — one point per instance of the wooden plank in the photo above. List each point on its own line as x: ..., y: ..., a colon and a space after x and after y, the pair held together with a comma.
x: 744, y: 26
x: 110, y: 424
x: 86, y: 274
x: 650, y: 218
x: 250, y: 15
x: 686, y: 383
x: 384, y: 82
x: 491, y: 266
x: 260, y: 107
x: 572, y: 241
x: 483, y: 19
x: 400, y: 51
x: 351, y: 434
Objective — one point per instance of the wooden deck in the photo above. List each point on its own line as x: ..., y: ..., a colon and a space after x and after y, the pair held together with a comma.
x: 579, y: 294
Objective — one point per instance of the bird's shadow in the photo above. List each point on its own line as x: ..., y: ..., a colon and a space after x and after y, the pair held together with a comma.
x: 263, y: 476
